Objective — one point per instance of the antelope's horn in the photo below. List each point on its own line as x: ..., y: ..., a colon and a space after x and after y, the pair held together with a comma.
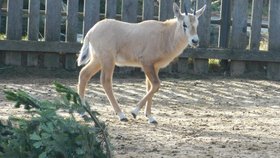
x: 194, y: 11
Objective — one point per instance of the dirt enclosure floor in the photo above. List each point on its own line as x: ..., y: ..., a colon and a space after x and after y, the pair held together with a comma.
x: 198, y: 116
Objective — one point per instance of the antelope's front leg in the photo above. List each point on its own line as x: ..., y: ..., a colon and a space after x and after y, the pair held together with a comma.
x: 106, y: 81
x: 152, y: 86
x: 148, y: 108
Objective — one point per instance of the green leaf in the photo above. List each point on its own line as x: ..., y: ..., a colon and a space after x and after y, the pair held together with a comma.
x: 46, y: 128
x: 17, y: 105
x: 80, y: 151
x: 27, y: 107
x: 10, y: 95
x: 81, y: 110
x: 38, y: 144
x: 35, y: 136
x: 95, y: 113
x: 68, y: 96
x: 43, y: 155
x: 50, y: 126
x: 45, y: 135
x: 75, y: 100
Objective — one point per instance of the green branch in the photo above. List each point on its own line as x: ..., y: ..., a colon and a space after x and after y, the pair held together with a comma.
x: 48, y: 121
x: 71, y: 94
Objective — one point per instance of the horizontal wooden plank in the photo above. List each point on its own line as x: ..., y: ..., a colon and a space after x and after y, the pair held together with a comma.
x: 233, y: 54
x: 38, y: 46
x: 214, y: 20
x: 199, y: 53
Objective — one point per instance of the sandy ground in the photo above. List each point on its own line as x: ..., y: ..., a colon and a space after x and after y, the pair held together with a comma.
x: 198, y: 117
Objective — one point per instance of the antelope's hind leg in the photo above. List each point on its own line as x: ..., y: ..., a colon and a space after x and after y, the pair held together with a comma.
x: 85, y: 75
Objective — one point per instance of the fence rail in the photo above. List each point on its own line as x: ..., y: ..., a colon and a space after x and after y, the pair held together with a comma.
x: 232, y: 45
x: 198, y: 53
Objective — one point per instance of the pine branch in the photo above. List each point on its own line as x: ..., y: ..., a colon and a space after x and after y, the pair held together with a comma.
x: 71, y: 101
x: 22, y: 98
x: 74, y: 96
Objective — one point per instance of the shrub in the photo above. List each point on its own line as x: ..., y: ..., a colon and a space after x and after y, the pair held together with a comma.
x: 48, y: 134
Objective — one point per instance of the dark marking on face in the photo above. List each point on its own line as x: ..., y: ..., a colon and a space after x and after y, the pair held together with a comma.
x: 185, y: 26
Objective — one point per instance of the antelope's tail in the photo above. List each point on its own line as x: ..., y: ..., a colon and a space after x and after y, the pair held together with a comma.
x: 84, y: 55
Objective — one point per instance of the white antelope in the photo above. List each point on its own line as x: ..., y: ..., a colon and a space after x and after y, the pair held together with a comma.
x: 150, y: 45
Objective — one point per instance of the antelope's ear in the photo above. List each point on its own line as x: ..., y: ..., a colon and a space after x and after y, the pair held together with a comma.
x: 177, y: 11
x: 200, y: 11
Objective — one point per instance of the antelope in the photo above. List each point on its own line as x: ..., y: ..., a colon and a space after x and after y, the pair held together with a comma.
x: 150, y: 45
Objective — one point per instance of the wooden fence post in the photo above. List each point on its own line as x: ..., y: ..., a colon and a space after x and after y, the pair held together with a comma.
x: 14, y: 29
x: 188, y: 4
x: 129, y: 14
x: 166, y: 12
x: 182, y: 63
x: 239, y: 33
x: 33, y: 29
x: 148, y: 10
x: 225, y: 24
x: 71, y: 31
x: 1, y: 1
x: 203, y: 31
x: 256, y: 24
x: 224, y: 30
x: 129, y: 11
x: 111, y: 9
x: 91, y: 14
x: 2, y: 55
x: 273, y: 69
x: 255, y: 36
x: 52, y: 30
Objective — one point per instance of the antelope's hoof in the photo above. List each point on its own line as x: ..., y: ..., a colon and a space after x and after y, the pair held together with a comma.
x: 124, y: 120
x: 154, y: 122
x: 134, y: 115
x: 86, y: 118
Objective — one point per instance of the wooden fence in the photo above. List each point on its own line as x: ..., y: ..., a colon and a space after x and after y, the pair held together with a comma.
x: 51, y: 51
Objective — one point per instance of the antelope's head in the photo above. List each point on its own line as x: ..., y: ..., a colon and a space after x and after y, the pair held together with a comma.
x: 189, y: 22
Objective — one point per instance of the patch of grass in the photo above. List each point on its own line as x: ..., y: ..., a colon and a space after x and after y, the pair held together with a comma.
x: 264, y: 42
x: 2, y: 37
x: 214, y: 65
x: 263, y: 45
x: 216, y: 5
